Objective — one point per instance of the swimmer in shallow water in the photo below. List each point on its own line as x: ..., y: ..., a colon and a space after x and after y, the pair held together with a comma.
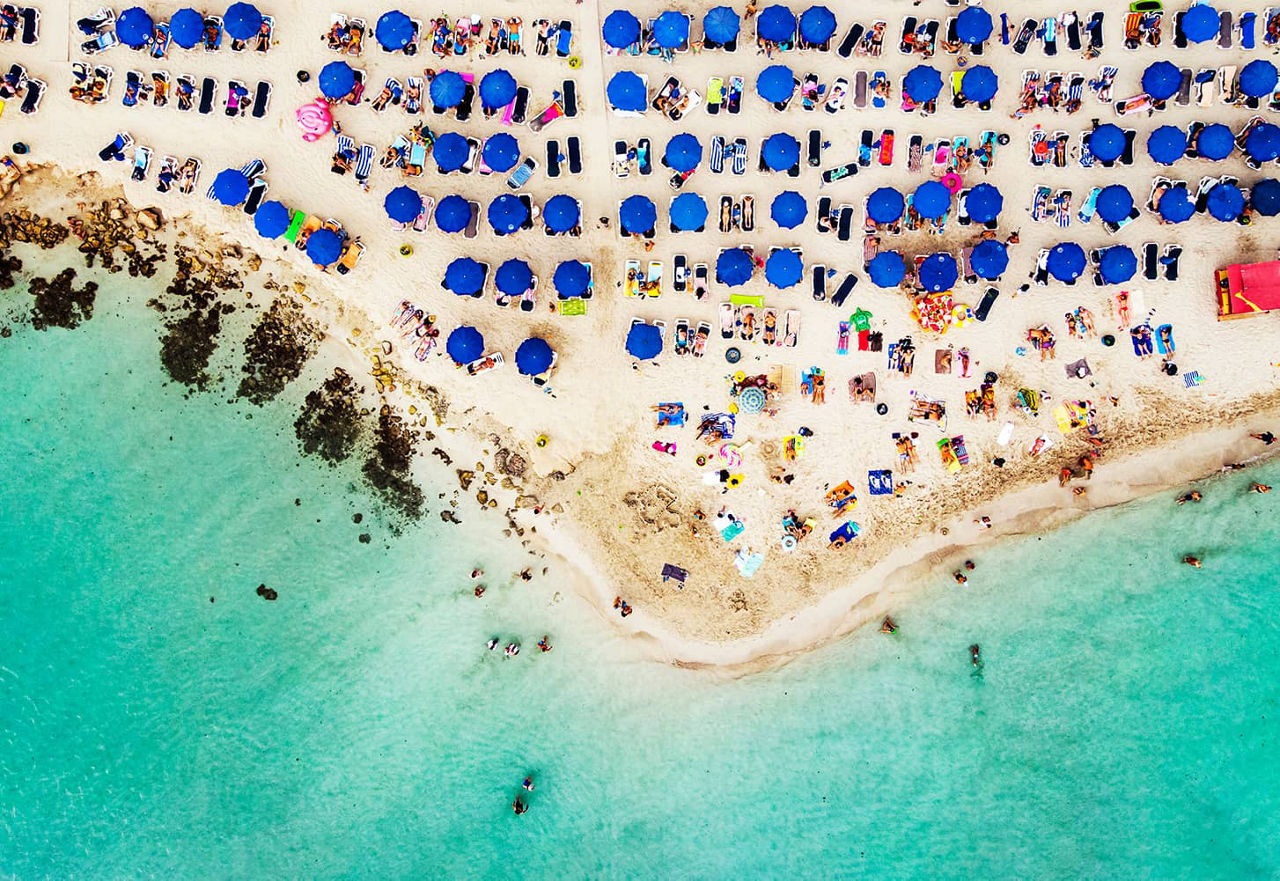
x: 1192, y: 561
x: 1189, y: 497
x: 959, y: 577
x: 493, y: 643
x: 518, y: 806
x: 975, y: 654
x: 528, y: 784
x: 1260, y: 488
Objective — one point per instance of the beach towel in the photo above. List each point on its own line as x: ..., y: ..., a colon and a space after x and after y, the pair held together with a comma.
x: 728, y: 526
x: 1192, y: 379
x: 748, y: 563
x: 842, y: 339
x: 1006, y: 434
x: 1164, y: 340
x: 942, y: 361
x: 670, y: 571
x: 862, y: 389
x: 929, y: 410
x: 846, y: 533
x: 842, y: 497
x: 880, y: 482
x: 1079, y: 369
x: 364, y: 162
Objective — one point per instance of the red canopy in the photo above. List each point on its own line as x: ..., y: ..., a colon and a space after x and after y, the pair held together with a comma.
x: 1248, y: 289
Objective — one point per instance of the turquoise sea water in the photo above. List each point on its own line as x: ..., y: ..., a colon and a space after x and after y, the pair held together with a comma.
x: 1125, y: 720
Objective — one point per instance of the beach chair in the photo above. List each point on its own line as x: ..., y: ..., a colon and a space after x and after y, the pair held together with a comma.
x: 189, y: 175
x: 208, y: 93
x: 31, y: 100
x: 257, y: 190
x: 212, y: 33
x: 364, y: 164
x: 141, y: 162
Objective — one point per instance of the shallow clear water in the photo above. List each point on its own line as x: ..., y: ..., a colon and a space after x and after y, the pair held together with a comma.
x: 1124, y: 721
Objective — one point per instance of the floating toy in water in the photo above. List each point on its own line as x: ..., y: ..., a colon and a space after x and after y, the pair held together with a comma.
x: 315, y: 120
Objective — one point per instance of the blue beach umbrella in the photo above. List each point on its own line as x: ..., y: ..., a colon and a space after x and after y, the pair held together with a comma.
x: 974, y: 25
x: 465, y: 344
x: 1200, y: 23
x: 534, y: 356
x: 979, y: 83
x: 271, y: 220
x: 1225, y: 202
x: 1265, y: 197
x: 776, y: 24
x: 780, y: 151
x: 776, y: 83
x: 784, y: 268
x: 1117, y: 264
x: 337, y: 79
x: 447, y: 89
x: 133, y: 27
x: 887, y: 269
x: 734, y: 267
x: 1176, y: 205
x: 561, y: 213
x: 817, y: 24
x: 938, y: 272
x: 507, y: 214
x: 231, y: 187
x: 1263, y: 143
x: 1161, y: 80
x: 638, y: 214
x: 453, y: 213
x: 324, y: 247
x: 497, y: 88
x: 1066, y: 261
x: 789, y: 209
x: 501, y: 151
x: 688, y: 212
x: 885, y: 205
x: 1114, y: 203
x: 644, y: 341
x: 620, y: 29
x: 241, y: 21
x: 989, y: 259
x: 450, y: 151
x: 394, y: 30
x: 1167, y: 144
x: 627, y: 92
x: 1215, y: 142
x: 186, y: 28
x: 671, y: 29
x: 572, y: 279
x: 922, y: 83
x: 513, y: 278
x: 1258, y: 78
x: 1107, y: 142
x: 984, y: 203
x: 403, y: 204
x: 931, y: 200
x: 464, y: 277
x: 721, y: 25
x: 683, y: 153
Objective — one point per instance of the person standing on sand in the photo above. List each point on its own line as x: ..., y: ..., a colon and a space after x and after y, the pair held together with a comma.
x: 1266, y: 437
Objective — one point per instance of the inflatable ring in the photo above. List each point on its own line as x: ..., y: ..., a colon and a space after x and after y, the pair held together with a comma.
x: 788, y: 542
x: 882, y: 409
x: 735, y: 480
x: 1108, y: 340
x: 542, y: 440
x: 838, y: 543
x: 574, y: 62
x: 406, y: 250
x: 701, y: 460
x: 739, y: 376
x: 732, y: 355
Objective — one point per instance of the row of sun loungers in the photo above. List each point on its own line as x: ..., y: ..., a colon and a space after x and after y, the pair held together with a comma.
x: 457, y: 38
x: 17, y: 84
x: 184, y: 177
x: 753, y: 323
x: 20, y: 23
x: 92, y: 86
x: 100, y: 28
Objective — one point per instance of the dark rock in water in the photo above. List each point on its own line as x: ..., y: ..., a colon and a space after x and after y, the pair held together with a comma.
x: 8, y: 266
x: 187, y: 345
x: 267, y: 593
x: 330, y: 424
x: 280, y: 345
x: 59, y: 303
x: 365, y: 538
x: 387, y: 468
x: 357, y: 517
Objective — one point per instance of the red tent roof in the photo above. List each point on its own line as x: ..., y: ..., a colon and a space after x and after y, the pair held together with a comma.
x: 1250, y: 288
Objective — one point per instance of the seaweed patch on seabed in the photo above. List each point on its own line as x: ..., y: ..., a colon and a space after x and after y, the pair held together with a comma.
x: 193, y: 317
x: 59, y: 303
x: 387, y: 468
x: 277, y: 349
x: 331, y: 421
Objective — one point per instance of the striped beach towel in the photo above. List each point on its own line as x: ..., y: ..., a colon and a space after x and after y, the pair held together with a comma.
x: 717, y: 155
x: 1193, y: 379
x: 740, y: 156
x: 364, y: 163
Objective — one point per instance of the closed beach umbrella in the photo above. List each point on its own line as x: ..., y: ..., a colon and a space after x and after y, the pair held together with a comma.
x: 1114, y: 203
x: 561, y: 213
x: 1200, y: 23
x: 447, y: 89
x: 501, y: 152
x: 922, y: 83
x: 1167, y: 144
x: 1107, y: 142
x: 885, y: 205
x: 984, y: 203
x: 721, y: 25
x: 627, y: 92
x: 394, y: 30
x: 324, y: 247
x: 938, y: 272
x: 989, y: 259
x: 450, y: 151
x: 784, y: 268
x: 974, y: 25
x: 638, y: 215
x: 644, y: 341
x: 497, y: 88
x: 789, y: 209
x: 231, y: 187
x: 337, y: 79
x: 241, y: 21
x: 1265, y: 197
x: 1225, y: 202
x: 465, y: 344
x: 507, y: 214
x: 683, y: 153
x: 1066, y: 261
x: 931, y: 200
x: 620, y: 29
x: 780, y: 151
x: 453, y: 213
x: 1176, y: 205
x: 1258, y: 78
x: 734, y: 267
x: 1263, y: 143
x: 271, y: 220
x: 776, y: 24
x: 671, y: 29
x: 887, y: 269
x: 817, y: 24
x: 979, y: 83
x: 464, y: 277
x: 776, y: 83
x: 186, y: 28
x: 1161, y: 80
x: 534, y: 356
x: 1215, y: 142
x: 1117, y: 264
x: 133, y: 27
x: 513, y: 278
x: 403, y: 204
x: 572, y: 279
x: 688, y: 212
